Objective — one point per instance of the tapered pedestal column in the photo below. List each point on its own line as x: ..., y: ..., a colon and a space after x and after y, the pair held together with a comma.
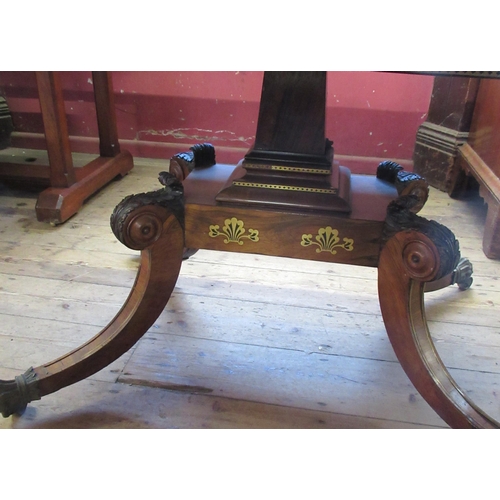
x: 291, y: 164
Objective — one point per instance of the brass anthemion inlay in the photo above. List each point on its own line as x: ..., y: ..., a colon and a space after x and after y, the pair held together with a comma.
x: 285, y: 188
x: 234, y: 231
x: 327, y: 240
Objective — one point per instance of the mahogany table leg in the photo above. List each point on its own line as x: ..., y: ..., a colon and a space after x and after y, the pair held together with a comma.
x: 152, y: 223
x: 422, y: 251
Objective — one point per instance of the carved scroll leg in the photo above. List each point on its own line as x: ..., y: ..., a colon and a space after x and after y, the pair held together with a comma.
x: 158, y: 232
x: 407, y: 261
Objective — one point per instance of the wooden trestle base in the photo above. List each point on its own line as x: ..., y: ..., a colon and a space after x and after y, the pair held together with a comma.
x: 56, y: 205
x: 413, y: 255
x: 69, y: 187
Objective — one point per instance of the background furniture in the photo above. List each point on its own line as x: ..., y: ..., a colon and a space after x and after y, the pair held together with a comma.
x: 479, y: 157
x: 69, y: 187
x: 6, y: 126
x: 460, y: 141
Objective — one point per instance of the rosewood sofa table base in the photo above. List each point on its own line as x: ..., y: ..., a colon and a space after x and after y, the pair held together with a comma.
x: 272, y: 204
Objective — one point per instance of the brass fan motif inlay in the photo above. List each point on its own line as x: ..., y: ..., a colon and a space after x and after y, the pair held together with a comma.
x: 234, y: 231
x: 327, y: 240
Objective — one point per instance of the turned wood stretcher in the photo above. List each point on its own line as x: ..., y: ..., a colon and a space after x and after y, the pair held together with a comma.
x: 289, y: 198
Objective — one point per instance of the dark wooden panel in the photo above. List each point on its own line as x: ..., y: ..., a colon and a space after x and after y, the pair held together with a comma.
x: 485, y: 127
x: 446, y: 128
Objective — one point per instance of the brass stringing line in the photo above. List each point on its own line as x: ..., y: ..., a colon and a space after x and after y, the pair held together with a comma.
x: 288, y: 169
x: 285, y: 188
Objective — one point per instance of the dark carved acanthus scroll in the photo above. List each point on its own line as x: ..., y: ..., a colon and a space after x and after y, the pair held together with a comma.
x: 198, y: 156
x: 406, y: 183
x: 401, y: 218
x: 413, y: 192
x: 138, y: 219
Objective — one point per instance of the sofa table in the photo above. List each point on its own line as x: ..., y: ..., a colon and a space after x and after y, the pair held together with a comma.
x: 287, y: 197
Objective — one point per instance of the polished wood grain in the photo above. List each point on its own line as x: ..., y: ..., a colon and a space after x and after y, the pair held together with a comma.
x: 289, y: 100
x: 407, y: 261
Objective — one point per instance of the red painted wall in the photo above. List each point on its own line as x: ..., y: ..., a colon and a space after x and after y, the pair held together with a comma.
x: 370, y: 116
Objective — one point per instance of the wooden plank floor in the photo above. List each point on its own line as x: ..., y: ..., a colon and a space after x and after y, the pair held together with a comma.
x: 245, y: 341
